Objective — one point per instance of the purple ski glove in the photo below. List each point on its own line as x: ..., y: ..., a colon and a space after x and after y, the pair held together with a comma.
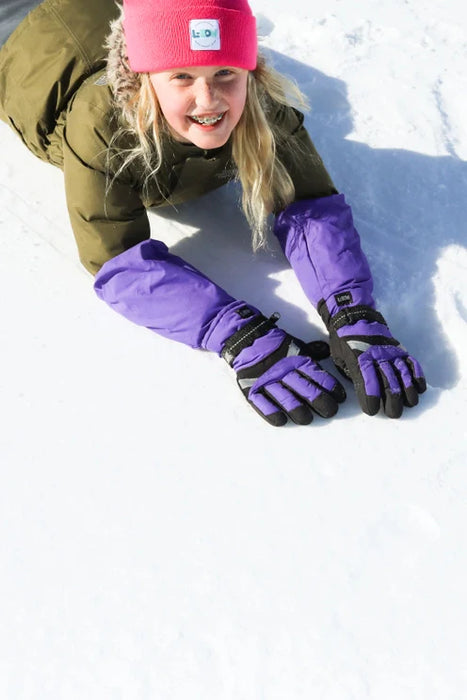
x: 277, y: 374
x: 320, y: 241
x: 364, y: 350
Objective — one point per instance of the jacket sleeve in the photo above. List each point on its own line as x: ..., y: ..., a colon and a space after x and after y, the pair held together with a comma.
x: 316, y: 232
x: 107, y: 215
x: 320, y: 241
x: 300, y: 157
x: 153, y: 288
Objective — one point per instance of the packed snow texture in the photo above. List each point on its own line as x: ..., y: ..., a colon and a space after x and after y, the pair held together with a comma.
x: 159, y: 541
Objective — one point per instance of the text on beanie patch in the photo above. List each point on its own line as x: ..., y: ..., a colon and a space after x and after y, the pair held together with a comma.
x: 205, y: 35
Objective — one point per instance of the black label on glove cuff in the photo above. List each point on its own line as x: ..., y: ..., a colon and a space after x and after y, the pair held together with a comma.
x: 245, y: 312
x: 343, y: 298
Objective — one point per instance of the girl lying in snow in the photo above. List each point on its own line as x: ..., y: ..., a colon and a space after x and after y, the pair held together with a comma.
x: 178, y: 103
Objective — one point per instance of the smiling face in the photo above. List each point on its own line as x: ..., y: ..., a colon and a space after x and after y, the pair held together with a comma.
x: 203, y: 104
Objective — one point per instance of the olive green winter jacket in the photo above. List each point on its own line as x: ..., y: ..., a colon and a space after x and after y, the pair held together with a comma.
x: 54, y: 94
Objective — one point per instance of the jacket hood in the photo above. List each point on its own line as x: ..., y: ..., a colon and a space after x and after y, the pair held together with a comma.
x: 123, y: 82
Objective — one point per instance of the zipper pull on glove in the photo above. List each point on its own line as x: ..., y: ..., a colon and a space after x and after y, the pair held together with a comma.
x: 278, y: 375
x: 380, y: 368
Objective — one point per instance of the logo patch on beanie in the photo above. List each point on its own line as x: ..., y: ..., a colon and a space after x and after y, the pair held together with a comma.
x: 205, y: 35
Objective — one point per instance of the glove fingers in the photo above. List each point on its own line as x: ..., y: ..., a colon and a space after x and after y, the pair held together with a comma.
x: 295, y: 396
x: 392, y: 390
x: 275, y: 403
x: 410, y: 395
x: 380, y: 382
x: 291, y: 404
x: 324, y: 402
x: 290, y: 388
x: 313, y: 372
x: 368, y: 387
x: 318, y: 398
x: 325, y: 405
x: 379, y: 367
x: 417, y: 373
x: 338, y: 392
x: 268, y: 410
x: 395, y: 383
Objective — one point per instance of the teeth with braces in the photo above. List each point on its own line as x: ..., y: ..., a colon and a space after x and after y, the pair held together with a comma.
x: 208, y: 121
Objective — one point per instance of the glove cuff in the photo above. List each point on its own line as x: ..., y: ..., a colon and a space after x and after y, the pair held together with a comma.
x: 246, y: 336
x: 228, y: 321
x: 349, y: 316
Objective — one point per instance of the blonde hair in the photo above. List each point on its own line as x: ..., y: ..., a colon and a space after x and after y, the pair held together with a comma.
x: 266, y: 184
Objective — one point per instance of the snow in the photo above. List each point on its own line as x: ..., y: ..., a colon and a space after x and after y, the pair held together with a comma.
x: 158, y: 540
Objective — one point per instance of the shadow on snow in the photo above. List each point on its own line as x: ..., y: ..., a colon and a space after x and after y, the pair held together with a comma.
x: 407, y: 208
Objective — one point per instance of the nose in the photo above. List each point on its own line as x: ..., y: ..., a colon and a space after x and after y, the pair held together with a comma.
x: 205, y: 95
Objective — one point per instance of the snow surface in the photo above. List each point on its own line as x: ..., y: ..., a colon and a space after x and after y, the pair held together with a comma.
x: 158, y: 541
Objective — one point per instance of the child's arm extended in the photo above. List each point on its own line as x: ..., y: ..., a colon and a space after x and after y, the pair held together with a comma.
x: 139, y: 278
x: 276, y: 373
x: 322, y: 245
x: 319, y: 239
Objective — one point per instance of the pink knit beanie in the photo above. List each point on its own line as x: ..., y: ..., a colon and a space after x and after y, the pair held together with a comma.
x: 165, y: 34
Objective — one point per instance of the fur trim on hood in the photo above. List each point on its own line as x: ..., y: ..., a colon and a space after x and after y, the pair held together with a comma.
x: 123, y: 81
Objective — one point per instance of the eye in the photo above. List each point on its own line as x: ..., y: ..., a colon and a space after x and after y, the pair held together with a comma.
x: 182, y: 76
x: 224, y: 73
